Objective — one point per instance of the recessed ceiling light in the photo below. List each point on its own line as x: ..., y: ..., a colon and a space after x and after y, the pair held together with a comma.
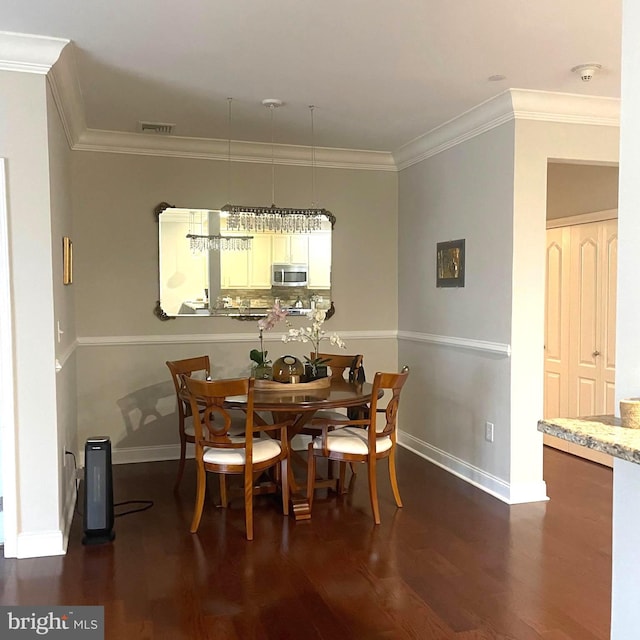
x: 496, y: 78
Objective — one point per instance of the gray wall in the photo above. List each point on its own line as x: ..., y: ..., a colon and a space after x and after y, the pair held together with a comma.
x: 453, y: 391
x: 477, y: 352
x: 123, y: 383
x: 64, y: 308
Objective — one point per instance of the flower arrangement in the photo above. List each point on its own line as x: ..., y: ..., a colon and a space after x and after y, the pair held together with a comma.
x: 314, y: 334
x: 274, y: 316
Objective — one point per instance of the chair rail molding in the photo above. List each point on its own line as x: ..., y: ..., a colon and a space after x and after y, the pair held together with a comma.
x: 458, y: 343
x: 226, y: 338
x: 62, y: 358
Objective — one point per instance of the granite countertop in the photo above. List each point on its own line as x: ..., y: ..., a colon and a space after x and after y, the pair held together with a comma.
x: 601, y: 433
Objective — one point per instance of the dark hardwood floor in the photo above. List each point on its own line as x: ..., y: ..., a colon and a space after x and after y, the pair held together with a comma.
x: 455, y: 563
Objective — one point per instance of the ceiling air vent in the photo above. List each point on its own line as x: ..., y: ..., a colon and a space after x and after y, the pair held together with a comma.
x: 161, y: 128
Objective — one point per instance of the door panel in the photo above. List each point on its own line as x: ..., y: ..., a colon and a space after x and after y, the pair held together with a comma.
x: 608, y: 315
x: 587, y: 392
x: 583, y: 322
x: 552, y: 395
x: 556, y: 324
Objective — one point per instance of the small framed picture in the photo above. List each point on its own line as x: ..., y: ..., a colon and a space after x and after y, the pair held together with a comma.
x: 450, y: 264
x: 67, y: 260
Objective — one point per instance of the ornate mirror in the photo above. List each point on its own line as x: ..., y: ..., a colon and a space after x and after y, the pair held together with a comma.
x: 209, y: 266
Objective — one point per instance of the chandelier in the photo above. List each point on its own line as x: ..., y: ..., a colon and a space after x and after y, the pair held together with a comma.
x: 273, y: 218
x: 199, y: 244
x: 200, y: 240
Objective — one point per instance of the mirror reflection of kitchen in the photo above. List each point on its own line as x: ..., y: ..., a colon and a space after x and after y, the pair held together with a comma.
x: 293, y: 268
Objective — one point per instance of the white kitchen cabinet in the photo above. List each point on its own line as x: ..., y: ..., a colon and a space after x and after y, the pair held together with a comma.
x: 234, y: 269
x: 290, y: 248
x: 320, y: 260
x: 260, y: 262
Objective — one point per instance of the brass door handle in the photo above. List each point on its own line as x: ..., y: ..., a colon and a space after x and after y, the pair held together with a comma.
x: 595, y: 354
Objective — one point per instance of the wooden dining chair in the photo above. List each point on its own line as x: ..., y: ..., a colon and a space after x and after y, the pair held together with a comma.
x: 217, y: 451
x: 338, y: 365
x: 198, y: 366
x: 363, y: 440
x: 189, y: 366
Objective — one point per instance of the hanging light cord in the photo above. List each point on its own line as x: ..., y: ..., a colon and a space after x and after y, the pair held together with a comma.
x: 273, y: 169
x: 229, y: 100
x: 313, y: 160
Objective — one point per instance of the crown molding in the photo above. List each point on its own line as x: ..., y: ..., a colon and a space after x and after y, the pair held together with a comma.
x: 241, y: 151
x: 28, y: 53
x: 65, y: 87
x: 571, y: 108
x: 512, y: 104
x: 483, y: 117
x: 39, y: 54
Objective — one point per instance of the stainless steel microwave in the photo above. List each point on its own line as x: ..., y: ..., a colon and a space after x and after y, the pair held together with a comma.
x: 289, y: 275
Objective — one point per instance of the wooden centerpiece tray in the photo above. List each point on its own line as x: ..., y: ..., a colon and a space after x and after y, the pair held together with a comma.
x: 289, y: 387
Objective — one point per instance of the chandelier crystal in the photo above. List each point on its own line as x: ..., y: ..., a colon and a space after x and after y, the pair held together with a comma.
x: 283, y: 220
x: 199, y: 244
x: 273, y: 218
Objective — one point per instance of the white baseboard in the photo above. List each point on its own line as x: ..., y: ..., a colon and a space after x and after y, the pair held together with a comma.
x: 40, y: 544
x: 172, y: 452
x: 497, y: 487
x: 149, y: 454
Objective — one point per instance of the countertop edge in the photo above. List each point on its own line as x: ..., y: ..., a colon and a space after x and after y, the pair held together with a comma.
x: 600, y: 433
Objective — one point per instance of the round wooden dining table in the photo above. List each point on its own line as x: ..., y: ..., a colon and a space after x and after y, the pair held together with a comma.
x: 300, y: 406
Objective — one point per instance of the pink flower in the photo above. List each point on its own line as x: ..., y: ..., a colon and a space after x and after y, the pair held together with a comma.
x: 274, y: 316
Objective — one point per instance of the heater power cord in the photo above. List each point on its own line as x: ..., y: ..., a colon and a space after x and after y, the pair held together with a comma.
x: 147, y: 504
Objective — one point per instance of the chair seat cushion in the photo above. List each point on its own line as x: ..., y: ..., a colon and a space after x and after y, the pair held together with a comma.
x: 263, y: 450
x: 352, y: 440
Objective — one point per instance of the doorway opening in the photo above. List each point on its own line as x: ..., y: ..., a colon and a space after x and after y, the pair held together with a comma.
x: 580, y: 296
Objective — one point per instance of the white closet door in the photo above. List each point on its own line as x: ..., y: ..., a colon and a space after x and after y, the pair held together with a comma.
x: 580, y: 326
x: 556, y: 348
x: 584, y: 386
x: 593, y: 318
x: 609, y: 273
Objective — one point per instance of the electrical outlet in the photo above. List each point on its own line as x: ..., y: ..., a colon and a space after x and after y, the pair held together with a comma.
x: 488, y: 431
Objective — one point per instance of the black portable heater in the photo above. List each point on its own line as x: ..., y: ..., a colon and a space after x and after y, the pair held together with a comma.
x: 98, y: 491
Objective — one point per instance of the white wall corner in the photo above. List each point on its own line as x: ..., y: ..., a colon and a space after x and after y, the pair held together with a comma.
x: 487, y: 482
x: 512, y: 104
x: 70, y: 499
x: 28, y: 53
x: 65, y: 87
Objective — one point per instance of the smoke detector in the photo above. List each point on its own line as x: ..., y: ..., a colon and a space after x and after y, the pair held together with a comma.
x: 587, y: 71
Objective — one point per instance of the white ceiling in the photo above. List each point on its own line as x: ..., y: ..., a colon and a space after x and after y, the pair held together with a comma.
x: 380, y: 72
